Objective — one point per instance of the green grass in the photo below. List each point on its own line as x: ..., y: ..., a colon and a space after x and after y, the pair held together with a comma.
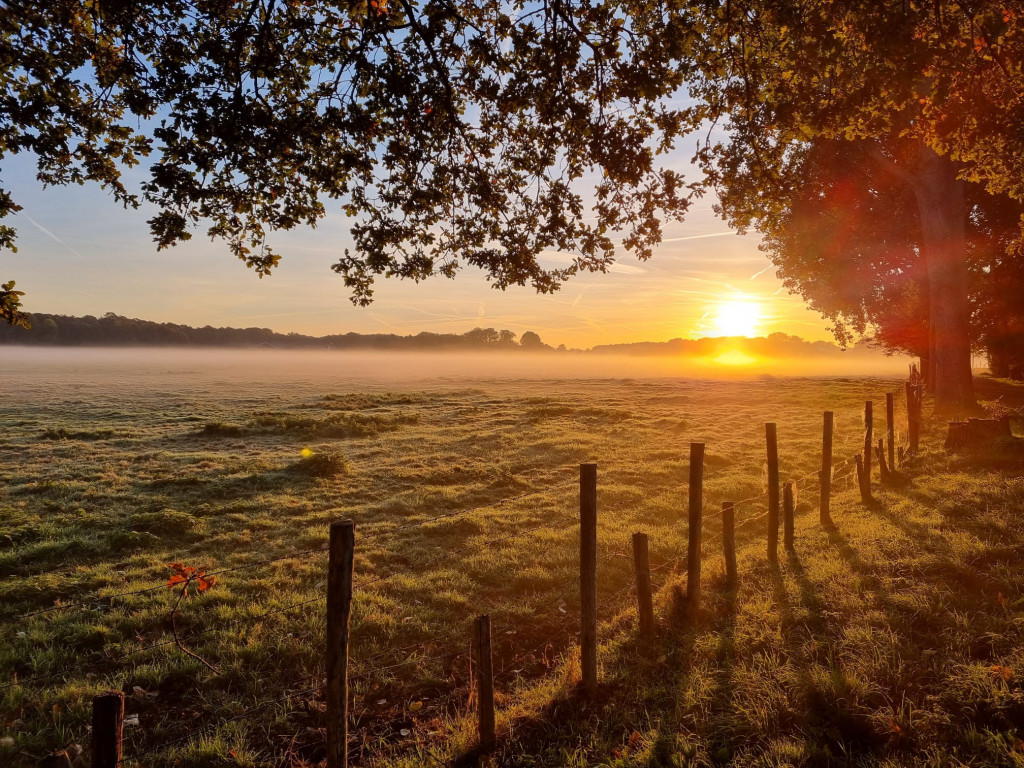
x: 893, y: 639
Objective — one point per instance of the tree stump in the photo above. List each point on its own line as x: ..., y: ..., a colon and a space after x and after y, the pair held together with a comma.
x: 976, y: 433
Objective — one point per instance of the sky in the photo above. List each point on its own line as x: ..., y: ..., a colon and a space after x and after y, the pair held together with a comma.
x: 81, y: 253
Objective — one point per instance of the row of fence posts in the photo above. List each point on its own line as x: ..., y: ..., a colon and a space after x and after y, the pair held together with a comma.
x: 108, y: 708
x: 885, y: 451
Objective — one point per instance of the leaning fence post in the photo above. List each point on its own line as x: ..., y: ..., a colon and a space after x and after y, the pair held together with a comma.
x: 588, y: 576
x: 484, y: 680
x: 696, y: 527
x: 642, y: 569
x: 869, y: 441
x: 826, y: 468
x: 771, y: 439
x: 883, y: 466
x: 788, y: 504
x: 890, y: 428
x: 339, y: 610
x: 107, y: 727
x: 729, y: 541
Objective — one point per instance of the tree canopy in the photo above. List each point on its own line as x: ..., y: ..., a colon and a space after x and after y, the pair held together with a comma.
x: 450, y: 133
x: 849, y: 243
x: 926, y: 92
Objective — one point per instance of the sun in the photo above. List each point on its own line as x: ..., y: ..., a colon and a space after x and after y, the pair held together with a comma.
x: 736, y: 317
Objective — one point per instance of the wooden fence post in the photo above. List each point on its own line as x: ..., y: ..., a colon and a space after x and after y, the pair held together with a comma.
x: 729, y: 541
x: 913, y: 416
x: 863, y: 480
x: 484, y: 681
x: 642, y: 568
x: 339, y: 610
x: 869, y: 437
x: 890, y: 428
x: 588, y: 576
x: 771, y: 438
x: 825, y: 477
x: 788, y: 509
x: 107, y: 727
x: 696, y: 528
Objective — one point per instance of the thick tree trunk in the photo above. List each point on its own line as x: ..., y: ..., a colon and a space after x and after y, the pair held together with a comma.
x: 943, y: 214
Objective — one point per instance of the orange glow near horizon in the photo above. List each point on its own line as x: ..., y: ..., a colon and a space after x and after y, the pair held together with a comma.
x: 733, y: 357
x: 736, y: 317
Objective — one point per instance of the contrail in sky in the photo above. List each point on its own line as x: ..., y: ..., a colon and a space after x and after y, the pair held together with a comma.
x: 697, y: 237
x: 761, y: 272
x: 50, y: 234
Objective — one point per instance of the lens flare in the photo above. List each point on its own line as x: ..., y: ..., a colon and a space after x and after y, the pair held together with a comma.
x: 736, y: 317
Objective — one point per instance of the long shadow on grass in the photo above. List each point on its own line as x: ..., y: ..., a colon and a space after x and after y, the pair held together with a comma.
x: 643, y: 682
x: 829, y: 724
x: 725, y: 657
x: 970, y: 583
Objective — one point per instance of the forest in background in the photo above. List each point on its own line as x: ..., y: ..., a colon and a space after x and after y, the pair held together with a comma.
x: 115, y: 330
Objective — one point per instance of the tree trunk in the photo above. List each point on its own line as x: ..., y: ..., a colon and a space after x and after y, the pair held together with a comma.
x: 943, y: 214
x: 998, y: 362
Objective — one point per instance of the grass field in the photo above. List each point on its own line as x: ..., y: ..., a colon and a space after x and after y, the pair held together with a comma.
x: 896, y: 638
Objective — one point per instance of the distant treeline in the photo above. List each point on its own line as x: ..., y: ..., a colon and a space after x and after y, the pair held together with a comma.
x: 116, y: 331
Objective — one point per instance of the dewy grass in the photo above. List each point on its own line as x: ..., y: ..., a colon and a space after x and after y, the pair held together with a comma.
x: 893, y: 639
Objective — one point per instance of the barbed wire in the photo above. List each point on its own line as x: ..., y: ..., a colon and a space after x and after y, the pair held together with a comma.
x: 370, y: 535
x: 839, y: 472
x: 459, y: 513
x: 290, y: 555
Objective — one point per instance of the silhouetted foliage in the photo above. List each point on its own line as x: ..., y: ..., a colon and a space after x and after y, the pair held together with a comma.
x: 114, y: 330
x: 449, y: 133
x: 849, y: 242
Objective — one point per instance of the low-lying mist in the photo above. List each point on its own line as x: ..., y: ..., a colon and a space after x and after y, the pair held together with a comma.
x: 163, y: 367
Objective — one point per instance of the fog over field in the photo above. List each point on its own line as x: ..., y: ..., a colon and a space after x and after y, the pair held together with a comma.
x: 106, y: 370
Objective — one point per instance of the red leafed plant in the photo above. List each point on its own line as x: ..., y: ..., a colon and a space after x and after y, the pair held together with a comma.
x: 187, y: 576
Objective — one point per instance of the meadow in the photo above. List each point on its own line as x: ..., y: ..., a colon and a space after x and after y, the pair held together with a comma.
x: 895, y: 638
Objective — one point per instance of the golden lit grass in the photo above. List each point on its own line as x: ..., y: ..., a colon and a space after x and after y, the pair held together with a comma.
x: 894, y: 637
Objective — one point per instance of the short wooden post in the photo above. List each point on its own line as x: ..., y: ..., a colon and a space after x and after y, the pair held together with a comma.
x: 788, y: 509
x: 771, y: 438
x: 890, y: 428
x: 588, y: 576
x: 642, y: 568
x: 869, y: 438
x: 107, y: 727
x: 696, y: 526
x: 902, y: 456
x: 729, y: 541
x: 863, y: 481
x: 828, y: 429
x: 484, y: 681
x: 339, y: 610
